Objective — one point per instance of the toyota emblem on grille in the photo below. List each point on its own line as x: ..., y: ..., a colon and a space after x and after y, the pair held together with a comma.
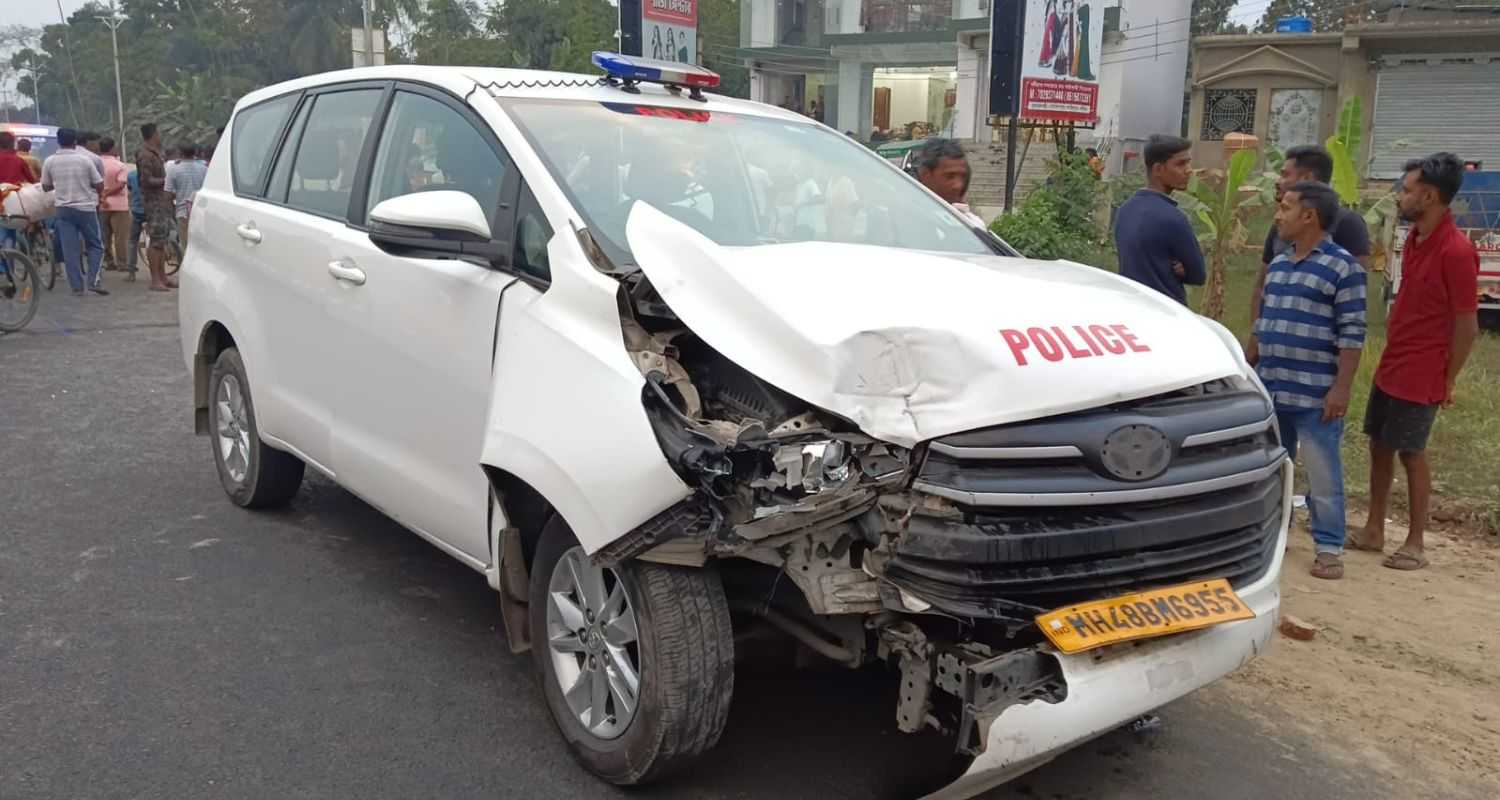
x: 1136, y: 453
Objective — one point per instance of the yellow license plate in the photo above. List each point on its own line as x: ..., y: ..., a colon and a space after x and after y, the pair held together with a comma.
x: 1142, y: 615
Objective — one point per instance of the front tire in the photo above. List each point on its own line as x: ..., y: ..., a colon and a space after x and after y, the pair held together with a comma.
x: 253, y: 474
x: 636, y: 662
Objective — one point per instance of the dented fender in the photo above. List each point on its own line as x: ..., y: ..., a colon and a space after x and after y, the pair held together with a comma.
x: 565, y: 406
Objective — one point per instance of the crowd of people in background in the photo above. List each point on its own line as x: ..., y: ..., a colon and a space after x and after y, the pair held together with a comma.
x: 1308, y: 316
x: 105, y: 205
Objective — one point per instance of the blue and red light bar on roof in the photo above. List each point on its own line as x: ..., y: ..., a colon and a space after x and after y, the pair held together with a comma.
x: 634, y: 69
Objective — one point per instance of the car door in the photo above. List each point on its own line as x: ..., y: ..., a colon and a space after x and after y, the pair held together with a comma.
x: 418, y: 334
x: 229, y: 260
x: 306, y: 201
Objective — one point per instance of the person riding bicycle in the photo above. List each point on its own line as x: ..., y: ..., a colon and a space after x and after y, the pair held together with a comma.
x: 15, y: 171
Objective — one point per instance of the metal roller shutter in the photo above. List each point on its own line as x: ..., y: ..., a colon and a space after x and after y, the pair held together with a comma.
x: 1452, y: 105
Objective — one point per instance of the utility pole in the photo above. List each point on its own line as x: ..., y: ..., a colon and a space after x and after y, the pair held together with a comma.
x: 114, y: 20
x: 368, y: 7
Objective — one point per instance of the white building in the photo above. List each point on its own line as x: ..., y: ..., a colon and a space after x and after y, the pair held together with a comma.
x: 899, y: 65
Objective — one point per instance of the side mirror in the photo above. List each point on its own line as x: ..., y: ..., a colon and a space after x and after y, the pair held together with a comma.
x: 437, y: 224
x: 438, y: 212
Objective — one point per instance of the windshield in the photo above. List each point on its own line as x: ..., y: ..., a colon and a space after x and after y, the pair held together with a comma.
x: 739, y: 180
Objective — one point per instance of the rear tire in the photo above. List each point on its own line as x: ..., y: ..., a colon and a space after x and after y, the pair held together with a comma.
x: 684, y: 649
x: 39, y: 247
x: 253, y: 474
x: 19, y: 291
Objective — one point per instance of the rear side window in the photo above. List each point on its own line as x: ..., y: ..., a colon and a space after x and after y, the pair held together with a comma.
x: 254, y: 134
x: 328, y: 151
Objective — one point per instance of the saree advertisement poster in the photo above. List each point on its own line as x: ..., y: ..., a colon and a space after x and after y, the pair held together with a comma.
x: 1060, y: 60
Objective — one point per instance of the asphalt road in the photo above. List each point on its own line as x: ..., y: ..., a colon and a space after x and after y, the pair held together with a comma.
x: 157, y: 642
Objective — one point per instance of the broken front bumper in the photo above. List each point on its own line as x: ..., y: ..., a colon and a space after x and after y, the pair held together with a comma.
x: 1107, y: 688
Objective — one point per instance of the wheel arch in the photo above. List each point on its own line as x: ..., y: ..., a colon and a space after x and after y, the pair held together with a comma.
x: 214, y: 339
x: 524, y: 509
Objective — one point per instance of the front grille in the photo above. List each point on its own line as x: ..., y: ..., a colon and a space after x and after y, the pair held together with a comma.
x: 1059, y: 556
x: 1044, y: 523
x: 1216, y: 441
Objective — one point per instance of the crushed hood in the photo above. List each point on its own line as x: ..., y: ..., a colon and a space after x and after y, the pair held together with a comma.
x: 913, y: 345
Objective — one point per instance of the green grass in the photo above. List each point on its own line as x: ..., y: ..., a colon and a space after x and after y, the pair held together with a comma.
x: 1465, y: 444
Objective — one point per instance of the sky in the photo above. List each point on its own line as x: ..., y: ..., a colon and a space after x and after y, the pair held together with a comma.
x: 36, y: 13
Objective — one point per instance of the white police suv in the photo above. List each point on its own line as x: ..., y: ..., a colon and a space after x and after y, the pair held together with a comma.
x: 663, y: 366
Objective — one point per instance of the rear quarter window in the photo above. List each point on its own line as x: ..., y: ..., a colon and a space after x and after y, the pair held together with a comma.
x: 253, y: 138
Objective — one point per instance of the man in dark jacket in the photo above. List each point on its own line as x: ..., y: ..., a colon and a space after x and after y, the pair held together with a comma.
x: 1156, y: 243
x: 1310, y: 163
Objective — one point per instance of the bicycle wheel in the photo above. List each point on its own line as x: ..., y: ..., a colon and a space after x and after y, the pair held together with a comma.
x: 173, y: 261
x: 18, y: 290
x: 40, y: 250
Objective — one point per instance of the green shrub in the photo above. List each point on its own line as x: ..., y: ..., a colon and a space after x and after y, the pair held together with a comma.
x: 1057, y: 219
x: 1034, y: 229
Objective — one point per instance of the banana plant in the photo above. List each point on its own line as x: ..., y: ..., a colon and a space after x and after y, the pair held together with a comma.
x: 1344, y: 146
x: 1219, y: 200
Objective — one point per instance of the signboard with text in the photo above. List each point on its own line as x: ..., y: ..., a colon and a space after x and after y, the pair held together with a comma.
x: 1060, y: 55
x: 664, y: 29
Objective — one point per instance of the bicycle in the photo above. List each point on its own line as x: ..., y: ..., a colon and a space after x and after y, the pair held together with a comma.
x: 19, y: 293
x: 173, y: 260
x: 36, y: 243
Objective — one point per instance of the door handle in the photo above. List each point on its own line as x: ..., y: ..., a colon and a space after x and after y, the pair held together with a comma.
x: 248, y: 232
x: 346, y: 271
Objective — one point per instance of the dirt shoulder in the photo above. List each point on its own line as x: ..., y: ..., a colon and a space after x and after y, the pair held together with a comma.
x: 1403, y: 677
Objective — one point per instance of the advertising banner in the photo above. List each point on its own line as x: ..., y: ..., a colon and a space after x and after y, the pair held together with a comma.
x: 664, y: 29
x: 1060, y: 60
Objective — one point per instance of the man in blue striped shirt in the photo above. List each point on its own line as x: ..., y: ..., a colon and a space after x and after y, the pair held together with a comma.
x: 1306, y: 349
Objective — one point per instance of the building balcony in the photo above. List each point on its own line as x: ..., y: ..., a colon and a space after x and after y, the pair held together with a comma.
x: 905, y: 16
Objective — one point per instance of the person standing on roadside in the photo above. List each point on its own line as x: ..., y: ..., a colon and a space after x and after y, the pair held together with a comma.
x: 1431, y: 330
x: 88, y: 142
x: 943, y: 168
x: 137, y: 222
x: 183, y: 184
x: 114, y: 207
x: 1156, y: 243
x: 70, y: 173
x: 1310, y: 163
x: 152, y: 170
x: 1308, y: 342
x: 23, y: 148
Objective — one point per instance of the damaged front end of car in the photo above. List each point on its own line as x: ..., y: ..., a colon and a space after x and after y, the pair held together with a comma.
x: 790, y: 496
x: 936, y: 556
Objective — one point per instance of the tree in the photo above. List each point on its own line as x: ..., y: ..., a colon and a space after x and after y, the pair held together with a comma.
x: 1221, y: 201
x: 1326, y: 15
x: 553, y: 34
x: 719, y: 24
x: 1211, y: 17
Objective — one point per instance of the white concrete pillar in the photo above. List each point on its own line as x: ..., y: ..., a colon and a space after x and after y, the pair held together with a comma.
x: 762, y: 23
x: 848, y: 16
x: 850, y: 105
x: 967, y: 109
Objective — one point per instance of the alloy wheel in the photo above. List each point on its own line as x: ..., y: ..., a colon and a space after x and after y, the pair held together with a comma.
x: 593, y: 638
x: 233, y: 429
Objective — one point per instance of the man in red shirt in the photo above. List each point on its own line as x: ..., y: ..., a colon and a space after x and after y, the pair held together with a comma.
x: 1429, y: 334
x: 13, y: 168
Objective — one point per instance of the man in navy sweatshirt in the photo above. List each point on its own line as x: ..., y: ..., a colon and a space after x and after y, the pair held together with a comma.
x: 1156, y: 243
